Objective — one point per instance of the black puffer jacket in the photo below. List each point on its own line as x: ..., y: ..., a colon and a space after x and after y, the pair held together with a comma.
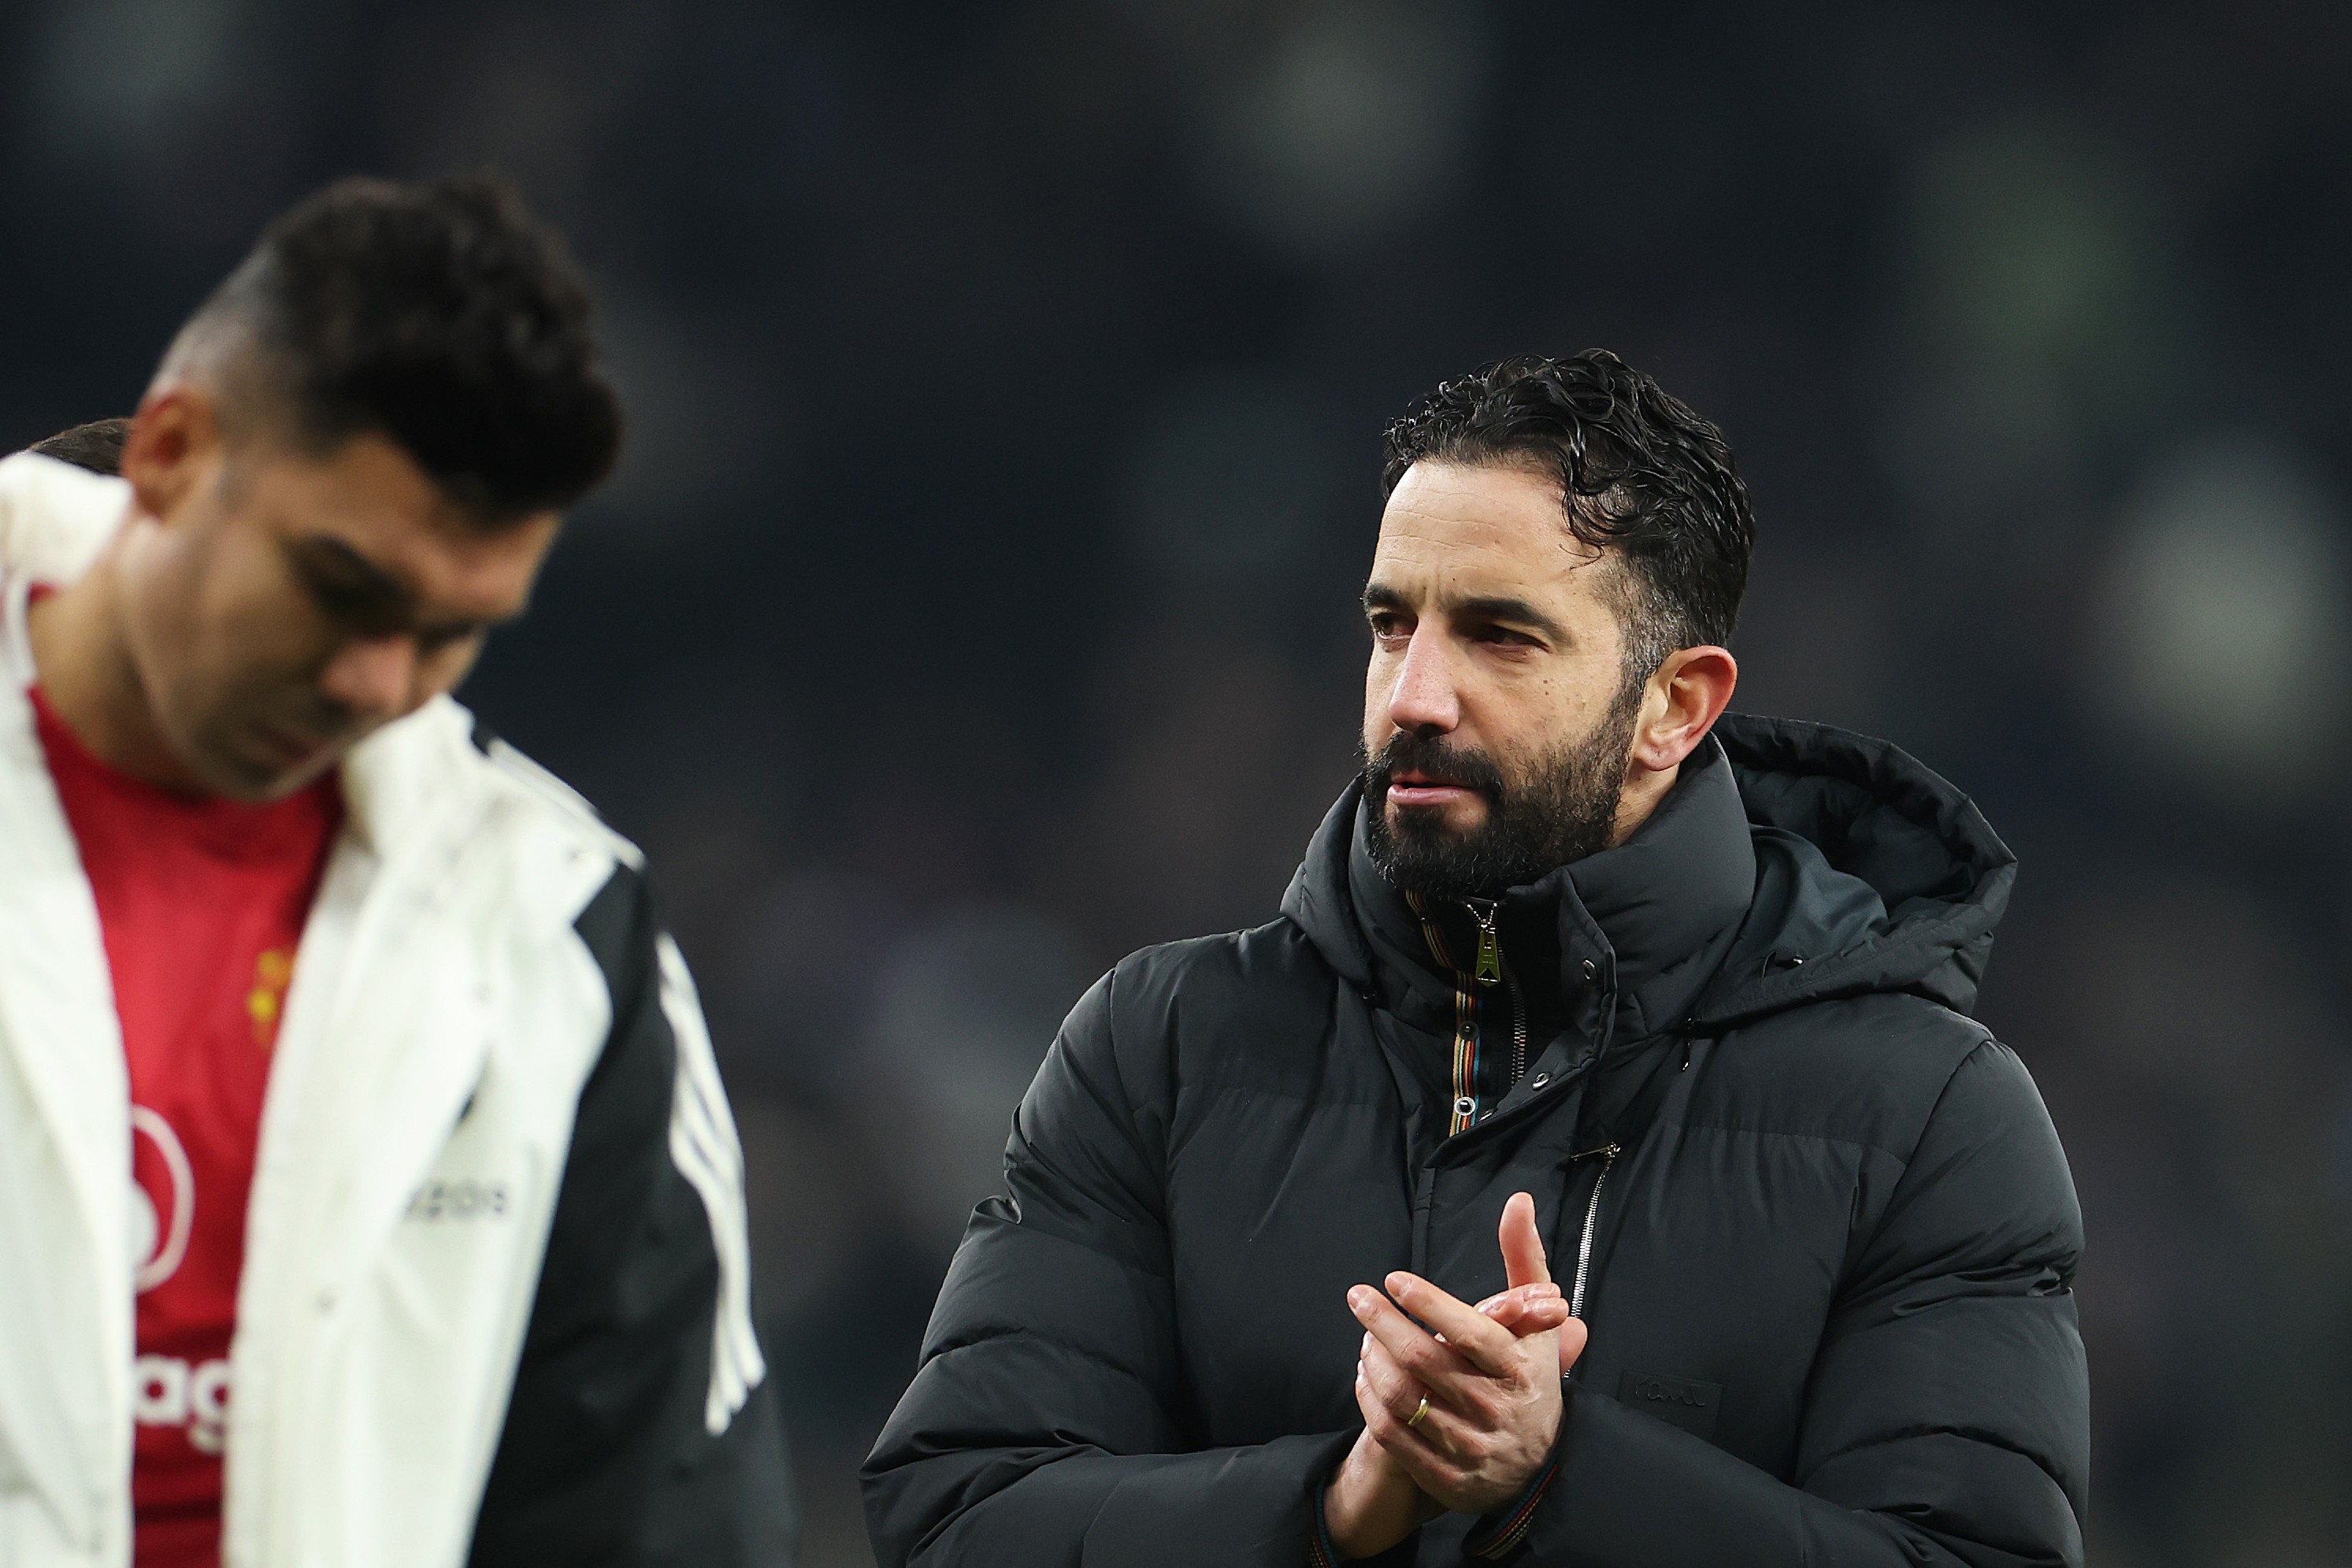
x: 1826, y: 1271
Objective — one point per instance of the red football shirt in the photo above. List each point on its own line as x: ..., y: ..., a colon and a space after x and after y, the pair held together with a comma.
x: 202, y: 903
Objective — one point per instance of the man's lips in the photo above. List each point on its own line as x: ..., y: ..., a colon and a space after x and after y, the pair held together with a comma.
x: 1408, y: 786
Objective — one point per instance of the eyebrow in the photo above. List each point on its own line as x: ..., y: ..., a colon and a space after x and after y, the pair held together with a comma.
x: 1482, y: 607
x: 364, y: 575
x: 391, y: 597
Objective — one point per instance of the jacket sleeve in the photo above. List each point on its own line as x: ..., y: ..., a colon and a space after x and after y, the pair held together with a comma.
x: 640, y: 1430
x: 1947, y: 1420
x: 1046, y: 1426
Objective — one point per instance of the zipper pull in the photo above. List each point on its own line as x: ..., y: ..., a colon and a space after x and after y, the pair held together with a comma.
x: 1489, y: 969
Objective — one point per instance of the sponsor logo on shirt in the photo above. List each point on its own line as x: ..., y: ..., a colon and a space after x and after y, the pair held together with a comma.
x: 162, y: 1204
x: 165, y: 1391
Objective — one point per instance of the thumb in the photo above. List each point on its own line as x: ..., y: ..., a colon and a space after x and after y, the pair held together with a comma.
x: 1523, y: 1252
x: 1572, y: 1335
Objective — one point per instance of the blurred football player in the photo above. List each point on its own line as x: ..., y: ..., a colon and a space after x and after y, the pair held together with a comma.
x: 367, y: 1192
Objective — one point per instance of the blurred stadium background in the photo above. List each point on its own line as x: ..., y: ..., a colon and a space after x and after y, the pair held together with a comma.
x: 975, y: 603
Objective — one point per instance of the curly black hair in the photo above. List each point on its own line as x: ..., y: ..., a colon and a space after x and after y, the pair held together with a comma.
x: 441, y: 314
x: 1641, y: 476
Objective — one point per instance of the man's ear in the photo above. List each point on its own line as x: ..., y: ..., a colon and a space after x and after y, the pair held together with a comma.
x: 175, y: 440
x: 1685, y: 698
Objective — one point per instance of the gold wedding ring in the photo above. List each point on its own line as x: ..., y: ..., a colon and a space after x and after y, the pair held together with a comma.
x: 1419, y: 1411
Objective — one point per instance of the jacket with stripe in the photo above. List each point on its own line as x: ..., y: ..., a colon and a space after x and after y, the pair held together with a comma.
x: 495, y: 1302
x: 1814, y: 1216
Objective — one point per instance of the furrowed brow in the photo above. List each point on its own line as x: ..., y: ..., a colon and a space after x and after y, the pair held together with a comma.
x: 1509, y: 611
x: 357, y: 572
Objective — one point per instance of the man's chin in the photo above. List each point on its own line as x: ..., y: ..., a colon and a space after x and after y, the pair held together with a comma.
x: 240, y: 774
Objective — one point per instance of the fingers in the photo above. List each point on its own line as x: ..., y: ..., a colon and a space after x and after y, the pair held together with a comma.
x: 1414, y: 1349
x: 1396, y: 1390
x: 1405, y: 1445
x: 1473, y: 1336
x: 1388, y: 1396
x: 1515, y: 1299
x: 1530, y: 1309
x: 1573, y: 1337
x: 1523, y: 1251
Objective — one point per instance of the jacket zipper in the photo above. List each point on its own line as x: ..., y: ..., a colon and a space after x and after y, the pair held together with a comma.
x: 1518, y: 1032
x: 1608, y: 1153
x: 1491, y: 970
x: 1489, y: 967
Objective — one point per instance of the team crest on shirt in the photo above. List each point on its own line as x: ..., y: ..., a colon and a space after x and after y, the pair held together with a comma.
x: 162, y: 1199
x: 272, y: 973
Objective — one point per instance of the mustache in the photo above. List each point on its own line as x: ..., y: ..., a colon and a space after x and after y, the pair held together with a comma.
x: 1429, y: 756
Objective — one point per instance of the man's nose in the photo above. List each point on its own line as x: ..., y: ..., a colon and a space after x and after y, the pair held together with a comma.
x: 1423, y: 698
x: 374, y: 677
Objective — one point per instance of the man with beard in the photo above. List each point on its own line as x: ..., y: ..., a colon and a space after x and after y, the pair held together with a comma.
x: 1581, y: 969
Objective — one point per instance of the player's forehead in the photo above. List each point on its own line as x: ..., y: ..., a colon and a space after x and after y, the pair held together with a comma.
x: 1459, y: 534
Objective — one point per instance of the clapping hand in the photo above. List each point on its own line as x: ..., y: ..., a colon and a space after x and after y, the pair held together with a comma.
x: 1458, y: 1415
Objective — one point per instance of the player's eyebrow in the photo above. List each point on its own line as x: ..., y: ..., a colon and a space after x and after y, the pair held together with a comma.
x: 355, y: 574
x: 382, y: 598
x: 1499, y: 608
x: 1510, y: 610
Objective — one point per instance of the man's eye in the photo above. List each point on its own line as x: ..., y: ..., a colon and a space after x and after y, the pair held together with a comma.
x: 357, y: 605
x: 341, y: 598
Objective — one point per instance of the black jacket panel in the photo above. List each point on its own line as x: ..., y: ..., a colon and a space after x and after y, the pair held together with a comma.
x: 605, y: 1458
x: 1828, y: 1288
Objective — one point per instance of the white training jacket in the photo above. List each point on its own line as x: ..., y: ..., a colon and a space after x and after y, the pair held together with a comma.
x: 455, y: 1341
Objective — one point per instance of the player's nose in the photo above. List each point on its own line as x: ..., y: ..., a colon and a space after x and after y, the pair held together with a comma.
x: 374, y: 677
x: 1423, y: 698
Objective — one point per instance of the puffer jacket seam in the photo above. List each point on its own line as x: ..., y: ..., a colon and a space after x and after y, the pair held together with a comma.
x: 1859, y: 1245
x: 1905, y: 1434
x: 1787, y: 1133
x: 1033, y: 1337
x: 1121, y: 1109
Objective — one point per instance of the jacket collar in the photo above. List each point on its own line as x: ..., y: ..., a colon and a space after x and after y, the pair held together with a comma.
x: 56, y: 519
x: 1868, y: 874
x: 1620, y: 942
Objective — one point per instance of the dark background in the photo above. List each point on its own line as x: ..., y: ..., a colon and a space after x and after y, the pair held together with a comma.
x: 976, y: 602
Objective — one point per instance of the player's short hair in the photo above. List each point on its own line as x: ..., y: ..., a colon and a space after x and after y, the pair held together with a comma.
x: 96, y: 447
x: 438, y: 313
x: 1641, y: 476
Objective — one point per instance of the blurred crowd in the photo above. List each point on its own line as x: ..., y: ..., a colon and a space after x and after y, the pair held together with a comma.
x: 976, y: 602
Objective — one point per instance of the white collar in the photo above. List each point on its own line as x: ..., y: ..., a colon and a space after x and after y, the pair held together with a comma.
x: 56, y: 519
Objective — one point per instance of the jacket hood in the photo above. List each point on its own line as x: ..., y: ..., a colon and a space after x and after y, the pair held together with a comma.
x: 1871, y: 874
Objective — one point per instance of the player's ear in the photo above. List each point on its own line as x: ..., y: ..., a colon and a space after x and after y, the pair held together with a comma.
x: 172, y: 438
x: 1684, y: 699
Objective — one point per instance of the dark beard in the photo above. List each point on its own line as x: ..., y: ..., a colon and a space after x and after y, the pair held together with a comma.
x: 1565, y: 812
